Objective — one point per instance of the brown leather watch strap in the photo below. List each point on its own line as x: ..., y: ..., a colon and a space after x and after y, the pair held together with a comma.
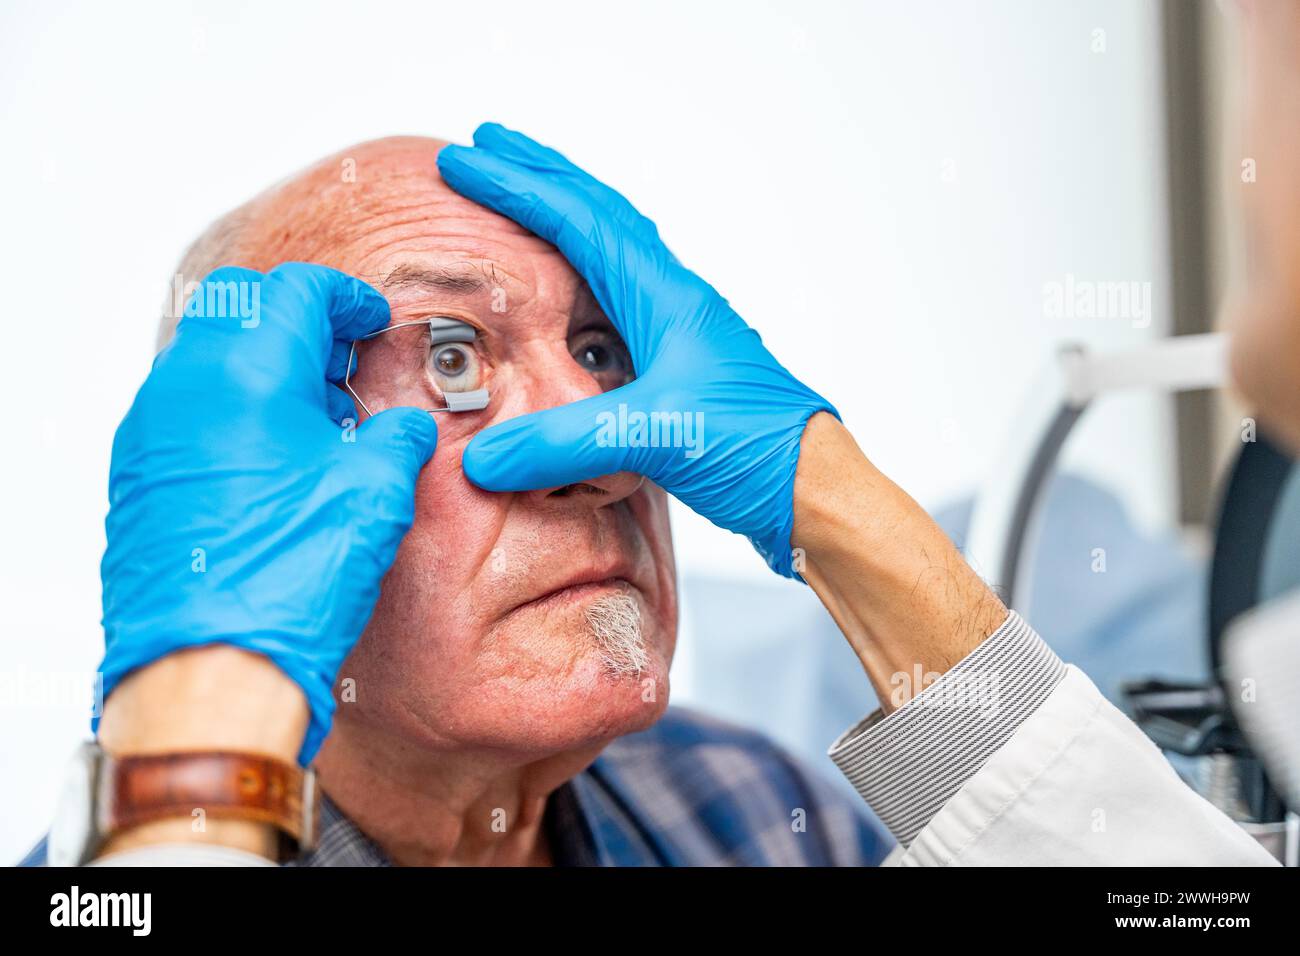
x: 140, y: 788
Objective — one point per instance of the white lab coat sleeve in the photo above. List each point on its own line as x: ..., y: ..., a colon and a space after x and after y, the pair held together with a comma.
x: 1064, y: 780
x: 1080, y: 784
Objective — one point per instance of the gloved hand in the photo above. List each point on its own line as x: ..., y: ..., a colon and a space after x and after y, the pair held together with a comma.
x: 241, y: 510
x: 695, y: 359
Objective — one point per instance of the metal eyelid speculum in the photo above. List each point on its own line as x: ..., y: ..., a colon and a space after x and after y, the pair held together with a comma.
x: 441, y: 330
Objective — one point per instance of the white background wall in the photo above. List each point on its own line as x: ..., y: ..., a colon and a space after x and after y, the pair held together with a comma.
x: 793, y: 153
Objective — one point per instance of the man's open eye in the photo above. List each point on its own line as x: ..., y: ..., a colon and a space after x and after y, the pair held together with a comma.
x: 455, y: 367
x: 602, y: 353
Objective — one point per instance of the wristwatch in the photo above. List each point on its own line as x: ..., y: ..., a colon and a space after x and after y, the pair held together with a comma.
x: 106, y: 794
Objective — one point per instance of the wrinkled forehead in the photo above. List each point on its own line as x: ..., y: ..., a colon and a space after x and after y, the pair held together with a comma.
x: 441, y: 251
x: 397, y: 225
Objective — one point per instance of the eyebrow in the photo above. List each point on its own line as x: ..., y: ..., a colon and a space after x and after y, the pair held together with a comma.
x: 472, y: 278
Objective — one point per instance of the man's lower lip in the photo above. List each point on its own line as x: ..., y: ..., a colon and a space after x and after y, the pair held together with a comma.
x: 575, y: 592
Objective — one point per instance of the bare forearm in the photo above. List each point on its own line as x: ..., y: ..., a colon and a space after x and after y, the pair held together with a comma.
x: 209, y: 698
x: 894, y: 583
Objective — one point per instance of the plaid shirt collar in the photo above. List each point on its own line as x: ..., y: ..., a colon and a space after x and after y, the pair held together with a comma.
x: 571, y: 839
x: 689, y: 791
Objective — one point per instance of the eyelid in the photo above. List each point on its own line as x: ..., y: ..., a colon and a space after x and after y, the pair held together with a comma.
x: 596, y: 325
x: 443, y: 313
x: 610, y: 334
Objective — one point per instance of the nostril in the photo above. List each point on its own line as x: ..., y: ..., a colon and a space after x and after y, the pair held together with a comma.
x: 580, y: 488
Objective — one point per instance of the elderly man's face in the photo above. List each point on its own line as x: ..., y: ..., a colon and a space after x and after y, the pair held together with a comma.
x: 535, y: 622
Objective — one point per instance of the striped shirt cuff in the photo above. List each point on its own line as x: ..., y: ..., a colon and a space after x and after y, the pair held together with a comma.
x: 909, y: 764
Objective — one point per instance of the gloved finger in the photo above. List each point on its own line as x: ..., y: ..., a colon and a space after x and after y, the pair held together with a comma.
x: 268, y: 334
x: 527, y: 152
x: 214, y: 337
x: 408, y: 436
x: 340, y: 406
x: 227, y: 302
x: 604, y: 252
x: 561, y: 446
x: 321, y: 309
x: 336, y: 369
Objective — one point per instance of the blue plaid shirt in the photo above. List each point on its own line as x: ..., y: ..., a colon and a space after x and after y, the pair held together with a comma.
x: 689, y: 791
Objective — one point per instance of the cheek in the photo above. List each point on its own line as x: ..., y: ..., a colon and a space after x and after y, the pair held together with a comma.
x: 650, y: 509
x: 426, y: 630
x: 456, y: 526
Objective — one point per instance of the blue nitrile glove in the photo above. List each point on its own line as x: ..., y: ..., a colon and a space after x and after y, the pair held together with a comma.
x: 695, y: 359
x: 240, y: 510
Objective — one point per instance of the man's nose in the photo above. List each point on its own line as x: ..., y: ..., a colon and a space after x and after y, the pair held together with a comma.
x: 565, y: 381
x: 595, y: 493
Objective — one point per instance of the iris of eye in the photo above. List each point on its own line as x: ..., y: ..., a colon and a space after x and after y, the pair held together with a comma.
x: 596, y: 357
x: 451, y: 361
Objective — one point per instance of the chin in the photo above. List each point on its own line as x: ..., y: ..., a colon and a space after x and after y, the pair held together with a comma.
x: 538, y: 683
x: 566, y: 674
x: 583, y: 705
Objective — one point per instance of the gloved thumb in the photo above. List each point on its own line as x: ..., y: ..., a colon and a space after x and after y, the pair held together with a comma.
x: 408, y: 435
x: 560, y: 446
